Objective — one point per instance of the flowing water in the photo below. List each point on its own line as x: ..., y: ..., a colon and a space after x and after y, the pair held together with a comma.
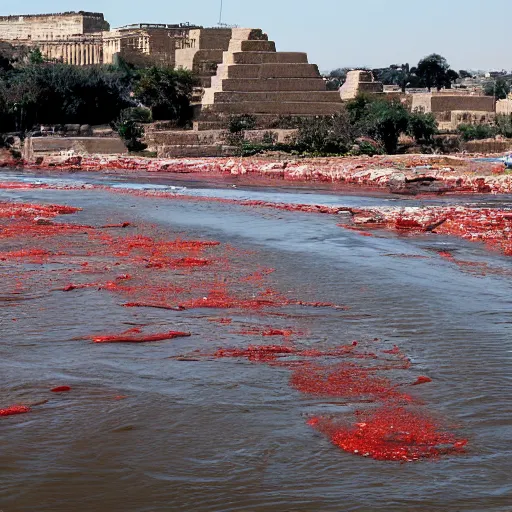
x: 226, y: 434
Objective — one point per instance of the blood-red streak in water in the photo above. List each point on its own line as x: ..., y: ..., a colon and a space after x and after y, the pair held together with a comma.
x: 133, y: 337
x: 343, y: 380
x: 192, y: 274
x: 14, y: 409
x: 61, y: 389
x: 391, y: 433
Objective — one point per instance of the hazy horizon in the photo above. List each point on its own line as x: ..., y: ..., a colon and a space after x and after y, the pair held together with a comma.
x: 334, y: 33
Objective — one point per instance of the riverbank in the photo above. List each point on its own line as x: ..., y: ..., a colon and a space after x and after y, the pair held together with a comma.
x: 398, y: 174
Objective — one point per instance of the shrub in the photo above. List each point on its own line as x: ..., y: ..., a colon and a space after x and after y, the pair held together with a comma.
x: 477, y: 131
x: 504, y: 125
x: 422, y: 127
x: 138, y: 114
x: 447, y: 144
x: 130, y: 130
x: 240, y: 123
x: 286, y: 122
x: 326, y: 135
x: 269, y: 138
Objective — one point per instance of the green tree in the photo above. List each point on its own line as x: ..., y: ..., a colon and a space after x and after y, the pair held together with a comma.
x: 35, y: 56
x: 130, y: 129
x: 327, y: 135
x: 386, y: 121
x: 433, y: 70
x: 422, y: 127
x: 59, y: 94
x: 167, y: 92
x: 499, y: 88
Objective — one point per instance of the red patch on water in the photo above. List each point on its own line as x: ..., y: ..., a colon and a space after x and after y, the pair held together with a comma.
x: 187, y: 274
x: 61, y: 389
x: 14, y: 409
x: 277, y: 332
x: 223, y: 321
x: 346, y: 380
x: 134, y: 336
x: 252, y: 353
x: 422, y: 380
x: 391, y: 433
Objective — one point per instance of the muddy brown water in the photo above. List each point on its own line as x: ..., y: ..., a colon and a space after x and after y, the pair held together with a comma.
x: 227, y: 435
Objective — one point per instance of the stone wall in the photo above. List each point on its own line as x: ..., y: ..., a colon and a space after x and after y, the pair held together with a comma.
x: 35, y: 147
x: 445, y: 102
x: 422, y: 102
x: 48, y: 27
x: 488, y: 146
x: 504, y: 107
x: 202, y: 51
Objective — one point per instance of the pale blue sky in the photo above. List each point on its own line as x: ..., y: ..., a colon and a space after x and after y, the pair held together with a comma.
x: 335, y: 33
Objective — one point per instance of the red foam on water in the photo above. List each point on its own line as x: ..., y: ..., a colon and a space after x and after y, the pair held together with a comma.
x: 30, y: 255
x: 266, y: 353
x: 133, y: 336
x: 14, y: 409
x: 422, y: 380
x: 223, y: 321
x: 183, y: 274
x: 277, y: 332
x: 391, y: 433
x: 61, y: 389
x: 346, y: 380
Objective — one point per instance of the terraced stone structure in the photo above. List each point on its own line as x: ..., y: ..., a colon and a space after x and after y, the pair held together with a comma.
x: 360, y: 82
x: 255, y: 79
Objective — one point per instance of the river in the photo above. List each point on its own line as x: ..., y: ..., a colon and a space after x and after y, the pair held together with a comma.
x: 210, y: 434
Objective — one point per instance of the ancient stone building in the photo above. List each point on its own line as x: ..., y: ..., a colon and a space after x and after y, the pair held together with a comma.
x: 255, y: 79
x: 85, y: 38
x: 71, y: 37
x: 452, y: 109
x: 360, y: 82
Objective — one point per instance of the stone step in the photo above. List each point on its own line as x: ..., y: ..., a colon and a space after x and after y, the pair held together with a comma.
x: 158, y: 126
x: 220, y: 121
x: 268, y: 71
x: 248, y: 34
x: 80, y: 145
x: 177, y: 151
x: 184, y: 138
x: 237, y: 45
x: 271, y: 84
x: 278, y: 108
x: 265, y: 58
x: 278, y: 96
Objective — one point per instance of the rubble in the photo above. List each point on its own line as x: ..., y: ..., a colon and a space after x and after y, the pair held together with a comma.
x: 492, y: 226
x: 400, y: 174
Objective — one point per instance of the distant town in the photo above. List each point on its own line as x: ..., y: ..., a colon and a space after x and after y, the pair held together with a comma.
x: 229, y: 81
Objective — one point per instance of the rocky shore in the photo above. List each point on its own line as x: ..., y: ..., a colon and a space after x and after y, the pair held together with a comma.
x: 401, y: 174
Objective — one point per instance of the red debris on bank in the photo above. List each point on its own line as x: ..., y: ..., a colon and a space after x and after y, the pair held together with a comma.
x: 402, y: 174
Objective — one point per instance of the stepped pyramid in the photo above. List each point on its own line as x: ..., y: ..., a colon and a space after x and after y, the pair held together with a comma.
x: 256, y: 79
